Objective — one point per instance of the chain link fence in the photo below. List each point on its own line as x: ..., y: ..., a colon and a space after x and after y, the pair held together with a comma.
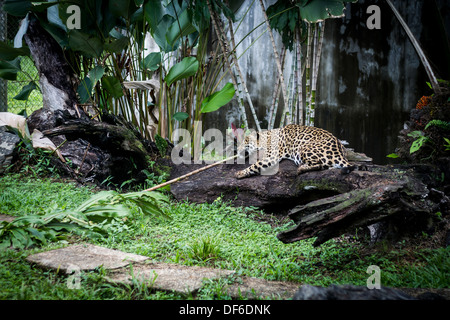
x: 9, y: 89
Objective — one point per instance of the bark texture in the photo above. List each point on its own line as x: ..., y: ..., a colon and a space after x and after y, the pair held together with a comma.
x: 326, y: 204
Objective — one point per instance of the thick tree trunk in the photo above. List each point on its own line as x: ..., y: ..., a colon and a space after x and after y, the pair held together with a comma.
x: 56, y: 79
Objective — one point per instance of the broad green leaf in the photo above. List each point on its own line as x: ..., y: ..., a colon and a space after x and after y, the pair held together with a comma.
x: 184, y: 69
x: 88, y: 83
x: 20, y: 235
x: 24, y: 94
x: 152, y: 61
x: 54, y: 18
x: 174, y: 33
x: 9, y: 69
x: 9, y: 53
x: 60, y: 35
x: 416, y: 145
x: 89, y: 45
x: 84, y: 89
x: 180, y: 116
x: 20, y: 8
x: 416, y: 134
x: 313, y: 11
x: 120, y: 8
x: 96, y: 74
x: 102, y: 212
x: 37, y: 234
x: 159, y: 34
x: 200, y: 15
x: 218, y: 99
x: 113, y: 86
x: 154, y: 11
x: 393, y: 155
x: 17, y: 7
x: 160, y: 20
x: 117, y: 45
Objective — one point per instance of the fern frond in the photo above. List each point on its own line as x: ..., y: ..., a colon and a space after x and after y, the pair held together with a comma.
x: 438, y: 123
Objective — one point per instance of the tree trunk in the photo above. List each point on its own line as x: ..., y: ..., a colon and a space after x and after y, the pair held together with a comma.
x: 56, y: 79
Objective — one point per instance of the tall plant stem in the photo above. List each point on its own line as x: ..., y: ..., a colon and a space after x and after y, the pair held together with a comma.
x: 238, y: 69
x: 280, y: 70
x: 421, y: 54
x: 276, y: 95
x: 318, y: 40
x: 308, y: 77
x: 299, y: 101
x: 318, y: 53
x: 219, y: 35
x: 315, y: 69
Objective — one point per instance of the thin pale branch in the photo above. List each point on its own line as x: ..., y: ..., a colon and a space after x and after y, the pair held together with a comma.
x: 280, y: 70
x: 421, y: 54
x: 189, y: 174
x: 243, y: 83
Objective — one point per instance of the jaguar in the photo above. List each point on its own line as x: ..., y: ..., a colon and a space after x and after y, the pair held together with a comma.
x: 311, y: 148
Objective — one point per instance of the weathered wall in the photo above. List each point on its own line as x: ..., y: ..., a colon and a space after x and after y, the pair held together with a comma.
x: 368, y: 79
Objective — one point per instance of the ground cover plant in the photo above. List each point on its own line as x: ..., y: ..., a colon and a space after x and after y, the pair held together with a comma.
x: 215, y: 235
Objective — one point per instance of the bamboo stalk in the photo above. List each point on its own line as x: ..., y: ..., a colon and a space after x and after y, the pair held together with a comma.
x: 280, y: 69
x: 222, y: 44
x: 276, y: 95
x: 315, y: 70
x: 189, y: 174
x: 319, y: 49
x: 421, y: 54
x: 299, y: 78
x: 308, y: 77
x: 312, y: 100
x: 295, y: 116
x: 291, y: 92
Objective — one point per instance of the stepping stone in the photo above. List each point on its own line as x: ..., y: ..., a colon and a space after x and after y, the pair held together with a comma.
x: 255, y: 288
x: 84, y: 257
x: 168, y: 276
x: 160, y: 276
x: 5, y: 217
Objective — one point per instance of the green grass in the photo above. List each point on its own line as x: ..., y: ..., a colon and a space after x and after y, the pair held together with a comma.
x: 214, y: 235
x: 22, y: 195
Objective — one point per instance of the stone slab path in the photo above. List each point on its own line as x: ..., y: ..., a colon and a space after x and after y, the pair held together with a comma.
x: 160, y: 276
x: 125, y: 268
x: 84, y: 257
x: 7, y: 218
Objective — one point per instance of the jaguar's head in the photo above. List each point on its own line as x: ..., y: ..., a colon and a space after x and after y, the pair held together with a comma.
x: 248, y: 146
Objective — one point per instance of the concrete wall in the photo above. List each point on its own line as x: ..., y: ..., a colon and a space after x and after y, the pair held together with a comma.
x: 368, y: 79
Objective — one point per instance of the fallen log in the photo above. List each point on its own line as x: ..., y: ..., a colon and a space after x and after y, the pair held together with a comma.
x: 325, y: 204
x: 333, y: 216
